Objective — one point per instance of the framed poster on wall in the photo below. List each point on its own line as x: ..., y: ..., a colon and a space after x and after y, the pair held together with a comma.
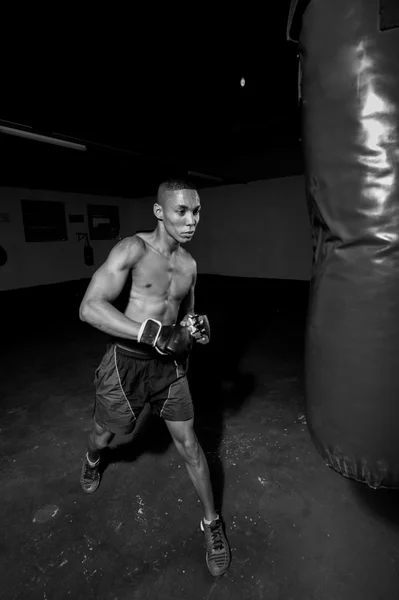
x: 44, y: 221
x: 389, y: 14
x: 103, y: 221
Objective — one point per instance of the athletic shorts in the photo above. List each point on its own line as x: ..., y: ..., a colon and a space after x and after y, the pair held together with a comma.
x: 127, y: 379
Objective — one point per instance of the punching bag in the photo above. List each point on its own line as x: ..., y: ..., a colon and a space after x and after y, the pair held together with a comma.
x: 88, y: 253
x: 349, y: 66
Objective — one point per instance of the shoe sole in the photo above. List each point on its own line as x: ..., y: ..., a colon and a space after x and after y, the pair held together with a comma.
x: 90, y: 491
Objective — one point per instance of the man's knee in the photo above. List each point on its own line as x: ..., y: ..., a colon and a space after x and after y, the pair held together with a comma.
x: 191, y: 451
x: 185, y: 440
x: 100, y: 436
x: 102, y: 441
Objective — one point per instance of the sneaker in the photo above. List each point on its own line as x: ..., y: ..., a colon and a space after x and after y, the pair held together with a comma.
x: 90, y: 476
x: 217, y: 547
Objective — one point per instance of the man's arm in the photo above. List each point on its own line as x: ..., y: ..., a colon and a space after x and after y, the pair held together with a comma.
x: 201, y: 332
x: 106, y: 285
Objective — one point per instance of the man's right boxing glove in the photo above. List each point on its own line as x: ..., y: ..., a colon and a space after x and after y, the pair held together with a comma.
x: 173, y: 340
x: 152, y: 331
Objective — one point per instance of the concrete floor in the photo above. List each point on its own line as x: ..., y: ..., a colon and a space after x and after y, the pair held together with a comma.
x: 298, y: 531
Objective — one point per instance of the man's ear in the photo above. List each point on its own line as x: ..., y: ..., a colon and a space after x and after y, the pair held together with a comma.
x: 158, y: 211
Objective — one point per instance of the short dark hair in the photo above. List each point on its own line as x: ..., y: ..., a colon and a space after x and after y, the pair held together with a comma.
x: 172, y: 185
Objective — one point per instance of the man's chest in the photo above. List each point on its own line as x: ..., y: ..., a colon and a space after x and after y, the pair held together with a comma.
x: 159, y: 275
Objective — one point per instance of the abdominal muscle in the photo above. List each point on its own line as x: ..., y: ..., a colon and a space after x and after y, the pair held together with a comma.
x: 142, y: 307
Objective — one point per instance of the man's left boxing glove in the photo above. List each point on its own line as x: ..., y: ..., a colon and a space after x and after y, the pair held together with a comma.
x: 199, y: 327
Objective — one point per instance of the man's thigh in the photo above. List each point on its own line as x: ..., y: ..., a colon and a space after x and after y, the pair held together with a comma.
x: 170, y: 394
x: 120, y: 391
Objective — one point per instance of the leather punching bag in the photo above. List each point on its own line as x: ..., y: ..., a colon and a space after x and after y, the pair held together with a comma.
x: 350, y: 111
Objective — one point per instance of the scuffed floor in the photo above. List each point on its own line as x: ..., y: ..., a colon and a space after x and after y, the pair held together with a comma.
x: 298, y: 531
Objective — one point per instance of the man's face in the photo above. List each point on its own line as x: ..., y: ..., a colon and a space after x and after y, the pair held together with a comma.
x: 181, y: 214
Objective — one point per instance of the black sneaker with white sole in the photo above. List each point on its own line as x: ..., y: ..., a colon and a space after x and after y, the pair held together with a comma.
x: 90, y: 476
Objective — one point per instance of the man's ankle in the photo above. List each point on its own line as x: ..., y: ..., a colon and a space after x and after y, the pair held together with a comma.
x: 93, y: 457
x: 209, y: 521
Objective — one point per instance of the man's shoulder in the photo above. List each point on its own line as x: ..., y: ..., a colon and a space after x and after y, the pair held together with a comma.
x: 142, y: 236
x: 133, y: 242
x: 132, y: 246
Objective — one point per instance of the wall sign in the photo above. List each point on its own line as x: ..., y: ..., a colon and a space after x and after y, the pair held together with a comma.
x: 44, y: 221
x: 76, y: 218
x: 103, y: 221
x: 389, y: 14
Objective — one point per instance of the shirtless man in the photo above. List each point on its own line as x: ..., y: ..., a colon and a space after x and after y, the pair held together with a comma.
x: 147, y: 360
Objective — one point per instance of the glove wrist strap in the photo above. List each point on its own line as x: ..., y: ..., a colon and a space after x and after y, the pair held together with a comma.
x: 149, y: 332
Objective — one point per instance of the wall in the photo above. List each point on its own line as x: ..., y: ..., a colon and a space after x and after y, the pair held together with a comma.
x: 42, y: 263
x: 260, y: 229
x: 257, y: 230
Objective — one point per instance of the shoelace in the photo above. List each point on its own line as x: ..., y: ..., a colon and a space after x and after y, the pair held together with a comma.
x: 90, y: 472
x: 216, y: 534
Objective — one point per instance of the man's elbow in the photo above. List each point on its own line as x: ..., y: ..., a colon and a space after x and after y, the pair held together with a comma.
x: 84, y: 311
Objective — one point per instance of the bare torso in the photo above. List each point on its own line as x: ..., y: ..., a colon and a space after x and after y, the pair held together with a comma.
x: 159, y: 283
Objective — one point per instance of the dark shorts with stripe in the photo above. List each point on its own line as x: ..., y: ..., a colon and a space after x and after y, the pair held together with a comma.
x: 128, y: 377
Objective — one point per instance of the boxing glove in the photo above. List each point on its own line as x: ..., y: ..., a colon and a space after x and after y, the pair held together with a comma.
x: 172, y: 340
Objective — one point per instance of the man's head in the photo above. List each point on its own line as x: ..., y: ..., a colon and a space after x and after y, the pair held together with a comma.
x: 177, y: 209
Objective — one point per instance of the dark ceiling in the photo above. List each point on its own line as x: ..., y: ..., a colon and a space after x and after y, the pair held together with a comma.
x: 156, y: 104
